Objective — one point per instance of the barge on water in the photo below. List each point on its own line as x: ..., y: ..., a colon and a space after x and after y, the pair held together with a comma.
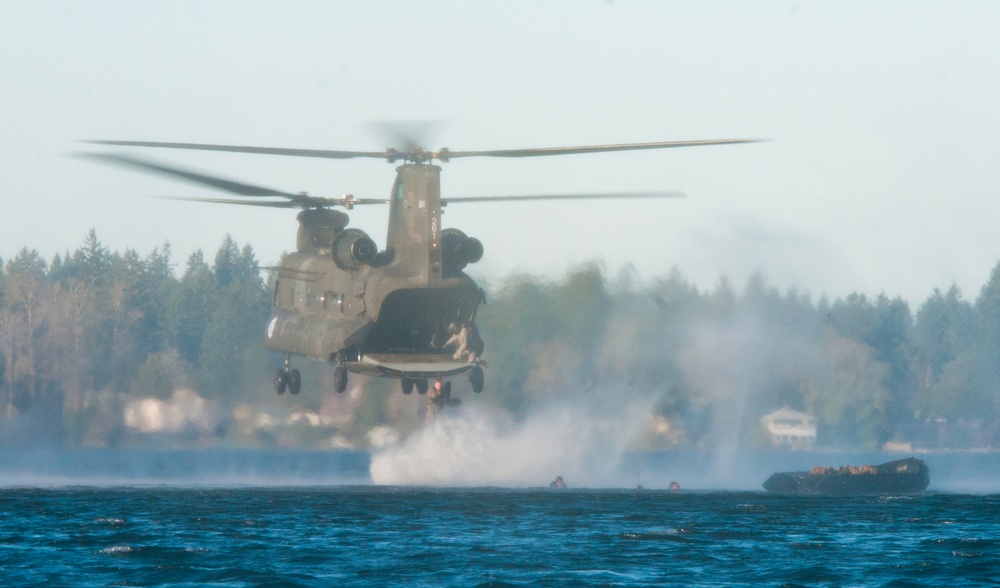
x: 903, y: 476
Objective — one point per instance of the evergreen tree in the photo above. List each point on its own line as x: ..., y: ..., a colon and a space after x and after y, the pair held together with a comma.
x: 890, y: 338
x: 93, y: 260
x: 227, y: 262
x: 985, y: 402
x: 231, y: 354
x: 192, y: 306
x: 27, y: 262
x: 943, y: 341
x: 852, y: 317
x: 248, y: 270
x: 159, y: 286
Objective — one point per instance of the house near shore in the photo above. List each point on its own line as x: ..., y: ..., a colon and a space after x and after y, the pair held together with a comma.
x: 790, y: 429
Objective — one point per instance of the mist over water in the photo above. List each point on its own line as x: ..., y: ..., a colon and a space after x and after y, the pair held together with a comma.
x: 723, y: 362
x: 582, y: 439
x: 215, y: 467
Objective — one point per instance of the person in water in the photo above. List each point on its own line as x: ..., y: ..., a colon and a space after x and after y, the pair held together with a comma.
x: 674, y: 486
x: 557, y: 483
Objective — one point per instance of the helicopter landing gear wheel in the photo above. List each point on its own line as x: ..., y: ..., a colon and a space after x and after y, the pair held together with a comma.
x: 477, y: 379
x: 294, y: 380
x: 290, y: 380
x: 407, y: 385
x: 340, y: 379
x: 421, y: 386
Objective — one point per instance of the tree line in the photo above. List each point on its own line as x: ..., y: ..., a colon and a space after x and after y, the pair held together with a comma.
x: 82, y: 334
x: 871, y: 370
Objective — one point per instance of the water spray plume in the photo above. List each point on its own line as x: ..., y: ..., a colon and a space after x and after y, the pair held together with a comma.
x: 582, y: 441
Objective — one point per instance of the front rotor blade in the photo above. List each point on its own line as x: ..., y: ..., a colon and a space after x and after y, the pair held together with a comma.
x: 607, y: 195
x: 320, y: 153
x: 448, y: 154
x: 302, y: 202
x: 194, y: 177
x: 271, y: 204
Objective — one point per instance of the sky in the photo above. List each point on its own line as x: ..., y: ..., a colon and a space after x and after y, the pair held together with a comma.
x: 879, y: 173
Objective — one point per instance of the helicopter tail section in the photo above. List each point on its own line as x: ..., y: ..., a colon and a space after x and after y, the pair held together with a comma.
x: 414, y: 236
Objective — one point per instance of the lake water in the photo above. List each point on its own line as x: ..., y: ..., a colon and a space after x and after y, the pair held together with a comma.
x: 286, y: 518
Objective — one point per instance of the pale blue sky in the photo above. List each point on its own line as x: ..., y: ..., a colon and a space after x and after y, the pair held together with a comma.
x: 882, y: 172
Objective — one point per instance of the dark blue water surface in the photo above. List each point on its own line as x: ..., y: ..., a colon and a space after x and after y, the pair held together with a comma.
x: 299, y: 518
x: 368, y: 535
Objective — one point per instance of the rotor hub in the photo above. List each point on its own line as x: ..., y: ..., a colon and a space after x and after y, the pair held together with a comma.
x: 417, y: 155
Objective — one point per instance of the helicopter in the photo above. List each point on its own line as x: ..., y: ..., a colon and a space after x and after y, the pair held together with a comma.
x: 406, y: 311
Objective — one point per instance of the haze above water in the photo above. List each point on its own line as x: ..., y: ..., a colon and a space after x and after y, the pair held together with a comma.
x: 880, y: 175
x: 588, y: 445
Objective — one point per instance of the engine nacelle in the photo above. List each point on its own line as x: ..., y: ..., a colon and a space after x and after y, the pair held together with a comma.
x: 459, y: 250
x: 318, y: 227
x: 353, y: 248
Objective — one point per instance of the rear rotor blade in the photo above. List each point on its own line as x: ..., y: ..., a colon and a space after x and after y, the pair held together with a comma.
x: 597, y: 196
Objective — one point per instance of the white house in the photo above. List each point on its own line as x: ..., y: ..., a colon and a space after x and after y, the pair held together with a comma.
x: 790, y: 428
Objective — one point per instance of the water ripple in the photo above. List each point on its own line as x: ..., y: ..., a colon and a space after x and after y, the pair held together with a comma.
x: 359, y: 536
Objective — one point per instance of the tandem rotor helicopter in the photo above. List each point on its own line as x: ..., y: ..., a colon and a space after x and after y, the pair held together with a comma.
x: 407, y: 311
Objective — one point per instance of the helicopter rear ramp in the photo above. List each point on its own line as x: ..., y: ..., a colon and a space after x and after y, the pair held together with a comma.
x: 397, y: 365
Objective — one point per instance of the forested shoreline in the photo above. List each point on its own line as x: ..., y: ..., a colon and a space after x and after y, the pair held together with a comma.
x: 85, y: 335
